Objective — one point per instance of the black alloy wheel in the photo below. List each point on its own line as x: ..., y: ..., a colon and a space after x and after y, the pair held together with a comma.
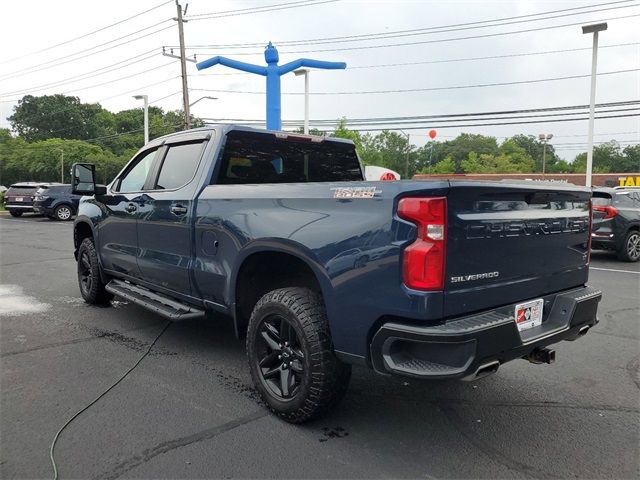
x: 85, y: 275
x: 279, y: 356
x: 89, y: 279
x: 291, y: 357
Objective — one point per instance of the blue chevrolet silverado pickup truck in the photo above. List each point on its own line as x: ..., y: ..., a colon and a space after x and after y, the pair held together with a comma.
x: 319, y: 269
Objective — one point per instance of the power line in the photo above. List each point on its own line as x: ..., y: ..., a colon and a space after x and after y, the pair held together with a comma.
x: 429, y: 89
x: 557, y: 120
x: 424, y: 42
x: 126, y: 77
x: 267, y: 8
x: 92, y: 73
x: 430, y: 30
x: 250, y: 9
x: 50, y: 47
x: 449, y: 60
x: 454, y: 115
x: 52, y: 64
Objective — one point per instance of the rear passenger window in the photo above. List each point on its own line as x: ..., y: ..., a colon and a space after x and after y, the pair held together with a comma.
x: 179, y: 166
x: 623, y: 200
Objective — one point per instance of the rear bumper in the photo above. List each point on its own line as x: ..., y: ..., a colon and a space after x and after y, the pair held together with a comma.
x: 38, y: 207
x: 19, y: 206
x: 461, y: 347
x: 604, y: 241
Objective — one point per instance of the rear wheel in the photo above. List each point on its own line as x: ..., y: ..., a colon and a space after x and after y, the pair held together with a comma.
x: 15, y: 213
x: 63, y: 213
x: 291, y: 356
x: 89, y: 280
x: 630, y: 250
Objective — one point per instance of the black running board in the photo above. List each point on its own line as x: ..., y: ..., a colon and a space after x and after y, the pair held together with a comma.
x: 160, y: 304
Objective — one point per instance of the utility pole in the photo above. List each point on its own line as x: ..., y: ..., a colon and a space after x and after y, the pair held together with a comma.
x: 183, y: 67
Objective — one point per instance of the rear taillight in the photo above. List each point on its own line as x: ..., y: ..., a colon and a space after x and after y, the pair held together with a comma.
x: 424, y: 259
x: 609, y: 212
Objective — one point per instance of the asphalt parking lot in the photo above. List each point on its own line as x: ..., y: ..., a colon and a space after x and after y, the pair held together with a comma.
x: 189, y: 410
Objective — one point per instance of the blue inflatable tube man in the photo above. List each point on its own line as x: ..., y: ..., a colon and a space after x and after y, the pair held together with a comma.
x: 273, y: 72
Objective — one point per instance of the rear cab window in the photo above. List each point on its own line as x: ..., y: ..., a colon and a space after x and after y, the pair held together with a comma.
x: 255, y: 157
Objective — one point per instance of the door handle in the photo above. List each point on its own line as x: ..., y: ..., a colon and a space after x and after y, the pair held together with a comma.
x: 131, y: 208
x: 178, y: 209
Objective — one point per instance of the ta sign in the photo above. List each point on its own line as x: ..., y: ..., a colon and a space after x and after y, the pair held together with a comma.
x: 629, y: 181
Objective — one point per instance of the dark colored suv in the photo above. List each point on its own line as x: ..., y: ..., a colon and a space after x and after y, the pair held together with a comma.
x: 19, y: 198
x: 616, y: 222
x: 56, y: 202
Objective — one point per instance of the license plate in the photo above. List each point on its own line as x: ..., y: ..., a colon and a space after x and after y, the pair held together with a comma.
x: 19, y: 199
x: 529, y: 315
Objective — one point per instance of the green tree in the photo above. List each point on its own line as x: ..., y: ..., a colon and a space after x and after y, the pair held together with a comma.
x: 445, y: 165
x: 631, y: 159
x: 55, y: 116
x: 561, y: 166
x: 608, y: 157
x: 534, y: 148
x: 459, y: 148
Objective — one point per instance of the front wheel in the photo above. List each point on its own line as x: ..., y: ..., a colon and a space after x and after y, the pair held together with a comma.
x: 89, y: 280
x: 291, y: 355
x: 15, y: 213
x: 630, y: 250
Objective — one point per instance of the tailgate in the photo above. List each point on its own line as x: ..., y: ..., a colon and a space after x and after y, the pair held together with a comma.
x: 512, y: 242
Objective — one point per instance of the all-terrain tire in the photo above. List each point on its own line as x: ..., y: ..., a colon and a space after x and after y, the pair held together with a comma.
x: 89, y: 279
x: 322, y: 379
x: 630, y: 249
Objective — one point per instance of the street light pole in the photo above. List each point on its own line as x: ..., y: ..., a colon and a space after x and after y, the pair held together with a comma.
x: 406, y: 158
x: 599, y: 27
x: 202, y: 98
x: 145, y: 98
x: 544, y: 138
x: 305, y: 72
x: 61, y: 165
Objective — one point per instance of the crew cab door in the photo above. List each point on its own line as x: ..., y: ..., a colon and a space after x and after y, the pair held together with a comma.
x: 165, y: 215
x: 118, y: 231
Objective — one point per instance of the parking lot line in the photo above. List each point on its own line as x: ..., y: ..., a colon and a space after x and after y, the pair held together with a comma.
x: 614, y: 270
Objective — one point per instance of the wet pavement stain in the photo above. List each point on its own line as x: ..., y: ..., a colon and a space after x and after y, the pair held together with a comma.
x: 335, y: 432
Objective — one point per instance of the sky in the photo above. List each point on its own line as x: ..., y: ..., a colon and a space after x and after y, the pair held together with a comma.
x: 33, y: 62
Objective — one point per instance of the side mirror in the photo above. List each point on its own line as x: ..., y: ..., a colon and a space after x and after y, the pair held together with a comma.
x: 83, y: 176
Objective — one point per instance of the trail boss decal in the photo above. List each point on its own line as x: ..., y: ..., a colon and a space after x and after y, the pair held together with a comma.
x: 473, y: 277
x: 355, y: 192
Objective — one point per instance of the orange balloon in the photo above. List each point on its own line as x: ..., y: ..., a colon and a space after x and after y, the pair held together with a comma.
x: 432, y: 134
